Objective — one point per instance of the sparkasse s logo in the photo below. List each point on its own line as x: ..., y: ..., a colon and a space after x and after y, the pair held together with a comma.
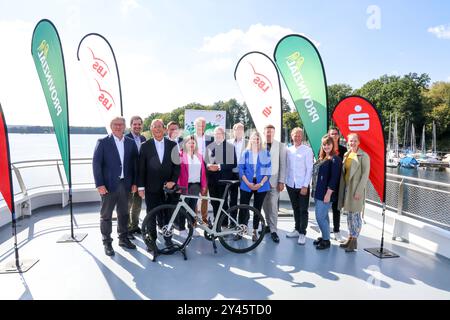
x: 358, y: 121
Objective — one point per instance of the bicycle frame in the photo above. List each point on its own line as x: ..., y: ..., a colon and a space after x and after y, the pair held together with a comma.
x: 201, y: 224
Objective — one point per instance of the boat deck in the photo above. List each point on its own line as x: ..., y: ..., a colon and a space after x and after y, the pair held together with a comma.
x: 271, y: 271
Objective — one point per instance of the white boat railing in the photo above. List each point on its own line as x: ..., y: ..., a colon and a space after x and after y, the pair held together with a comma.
x: 421, y: 199
x: 418, y: 198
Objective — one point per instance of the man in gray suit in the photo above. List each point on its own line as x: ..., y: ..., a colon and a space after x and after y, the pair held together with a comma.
x: 277, y: 180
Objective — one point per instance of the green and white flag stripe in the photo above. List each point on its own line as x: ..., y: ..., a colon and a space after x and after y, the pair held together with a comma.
x: 49, y: 61
x: 302, y: 70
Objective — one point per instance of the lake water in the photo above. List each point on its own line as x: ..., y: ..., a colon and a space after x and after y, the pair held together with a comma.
x: 44, y: 146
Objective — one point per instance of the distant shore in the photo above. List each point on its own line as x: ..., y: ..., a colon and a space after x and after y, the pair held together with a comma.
x: 48, y: 129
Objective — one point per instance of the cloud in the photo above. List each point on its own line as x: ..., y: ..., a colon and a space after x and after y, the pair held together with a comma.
x: 442, y: 31
x: 224, y: 49
x: 127, y: 5
x: 258, y: 37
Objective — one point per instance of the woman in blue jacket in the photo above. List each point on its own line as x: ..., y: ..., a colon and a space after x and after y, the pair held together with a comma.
x: 254, y: 173
x: 328, y: 173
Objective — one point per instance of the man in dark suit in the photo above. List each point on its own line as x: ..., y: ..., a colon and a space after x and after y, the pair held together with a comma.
x: 159, y: 167
x: 134, y: 201
x: 203, y: 142
x: 220, y: 161
x: 115, y: 173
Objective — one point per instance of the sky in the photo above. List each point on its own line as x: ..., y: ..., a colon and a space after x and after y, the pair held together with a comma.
x: 174, y: 52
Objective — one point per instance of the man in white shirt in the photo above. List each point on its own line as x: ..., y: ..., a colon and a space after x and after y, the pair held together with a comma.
x: 299, y: 168
x: 134, y: 201
x: 277, y: 180
x: 202, y: 142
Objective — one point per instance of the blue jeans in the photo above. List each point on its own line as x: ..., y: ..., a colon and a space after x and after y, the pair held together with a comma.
x: 323, y: 220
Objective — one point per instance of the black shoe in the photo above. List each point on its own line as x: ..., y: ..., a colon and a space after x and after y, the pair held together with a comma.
x: 318, y: 241
x: 275, y: 237
x: 136, y: 230
x: 151, y: 245
x: 126, y: 243
x: 324, y: 244
x: 109, y: 251
x: 130, y: 236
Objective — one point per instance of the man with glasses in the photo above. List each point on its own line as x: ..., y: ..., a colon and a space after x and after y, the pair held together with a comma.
x: 115, y: 173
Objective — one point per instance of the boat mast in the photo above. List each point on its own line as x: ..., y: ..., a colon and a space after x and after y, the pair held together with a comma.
x: 423, y: 140
x: 434, y: 140
x: 395, y: 138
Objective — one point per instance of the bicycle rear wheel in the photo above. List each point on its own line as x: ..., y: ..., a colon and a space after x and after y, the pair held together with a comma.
x: 243, y: 237
x: 178, y: 239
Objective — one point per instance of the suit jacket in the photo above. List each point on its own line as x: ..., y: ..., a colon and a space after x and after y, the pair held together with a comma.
x: 107, y: 166
x: 357, y: 182
x: 328, y: 178
x: 152, y: 173
x: 224, y: 155
x: 130, y: 135
x: 278, y: 160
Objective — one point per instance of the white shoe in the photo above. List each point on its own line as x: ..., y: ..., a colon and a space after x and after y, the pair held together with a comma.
x: 301, y: 239
x: 293, y: 234
x: 338, y: 237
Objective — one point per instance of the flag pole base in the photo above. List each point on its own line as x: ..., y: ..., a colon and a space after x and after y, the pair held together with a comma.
x: 76, y: 238
x: 382, y: 253
x: 24, y: 266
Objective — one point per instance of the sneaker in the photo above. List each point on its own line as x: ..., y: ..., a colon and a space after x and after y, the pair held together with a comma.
x: 318, y: 241
x: 293, y: 234
x: 301, y: 239
x: 338, y: 237
x: 130, y: 236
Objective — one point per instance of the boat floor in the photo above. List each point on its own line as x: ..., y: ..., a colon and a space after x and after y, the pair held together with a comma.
x: 271, y: 271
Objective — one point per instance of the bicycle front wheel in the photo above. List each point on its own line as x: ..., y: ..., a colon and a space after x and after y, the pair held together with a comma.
x: 245, y: 229
x: 174, y: 235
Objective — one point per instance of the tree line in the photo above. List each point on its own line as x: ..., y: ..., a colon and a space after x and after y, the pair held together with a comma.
x: 411, y: 97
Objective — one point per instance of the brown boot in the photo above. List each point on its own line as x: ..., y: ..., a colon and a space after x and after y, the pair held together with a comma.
x: 345, y: 244
x: 351, y: 246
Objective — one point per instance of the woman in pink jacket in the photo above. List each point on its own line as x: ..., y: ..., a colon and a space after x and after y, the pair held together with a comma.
x: 192, y: 175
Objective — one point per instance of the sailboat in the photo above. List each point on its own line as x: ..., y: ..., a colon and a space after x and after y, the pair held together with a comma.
x: 392, y: 159
x: 431, y: 158
x: 409, y: 161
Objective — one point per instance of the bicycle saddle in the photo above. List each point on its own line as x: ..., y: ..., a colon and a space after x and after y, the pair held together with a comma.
x: 231, y: 182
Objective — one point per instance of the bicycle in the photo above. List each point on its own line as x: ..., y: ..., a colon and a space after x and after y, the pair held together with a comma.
x: 235, y: 237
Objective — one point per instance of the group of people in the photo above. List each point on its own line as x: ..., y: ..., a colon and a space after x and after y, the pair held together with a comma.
x: 128, y: 168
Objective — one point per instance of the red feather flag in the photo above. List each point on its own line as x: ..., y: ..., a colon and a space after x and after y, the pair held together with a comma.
x: 355, y: 114
x: 6, y: 188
